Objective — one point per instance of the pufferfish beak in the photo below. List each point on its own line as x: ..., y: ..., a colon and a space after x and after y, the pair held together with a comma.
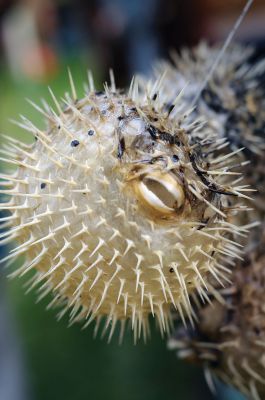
x: 159, y: 192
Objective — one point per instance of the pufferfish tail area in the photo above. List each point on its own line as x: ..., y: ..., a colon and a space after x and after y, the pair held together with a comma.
x: 122, y: 208
x: 229, y: 339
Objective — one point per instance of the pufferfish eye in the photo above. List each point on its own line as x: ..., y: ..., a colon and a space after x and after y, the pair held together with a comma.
x: 160, y: 191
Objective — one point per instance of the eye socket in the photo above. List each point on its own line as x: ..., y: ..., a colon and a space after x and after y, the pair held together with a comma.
x: 162, y: 192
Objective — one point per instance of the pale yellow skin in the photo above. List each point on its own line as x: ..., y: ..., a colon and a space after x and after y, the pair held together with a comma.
x: 116, y: 236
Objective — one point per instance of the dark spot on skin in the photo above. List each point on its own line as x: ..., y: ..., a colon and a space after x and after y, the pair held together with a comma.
x: 202, y: 175
x: 74, y: 143
x: 170, y: 109
x: 153, y: 132
x: 43, y: 185
x: 171, y: 270
x: 121, y: 147
x: 175, y: 158
x: 90, y: 132
x: 167, y: 137
x: 213, y: 101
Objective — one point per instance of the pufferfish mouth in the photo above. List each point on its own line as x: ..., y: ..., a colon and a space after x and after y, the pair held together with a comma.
x: 159, y: 191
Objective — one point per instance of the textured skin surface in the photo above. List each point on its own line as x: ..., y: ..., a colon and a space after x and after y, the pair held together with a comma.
x: 233, y: 102
x: 121, y: 208
x: 230, y: 338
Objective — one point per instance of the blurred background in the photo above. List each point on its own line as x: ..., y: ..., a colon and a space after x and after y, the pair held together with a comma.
x: 41, y: 358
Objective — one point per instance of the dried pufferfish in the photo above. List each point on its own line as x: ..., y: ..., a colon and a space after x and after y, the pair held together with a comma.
x: 229, y: 339
x: 232, y: 100
x: 119, y: 208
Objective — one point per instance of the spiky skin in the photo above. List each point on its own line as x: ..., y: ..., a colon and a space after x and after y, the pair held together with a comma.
x: 229, y: 334
x: 230, y: 338
x: 118, y: 210
x: 233, y: 101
